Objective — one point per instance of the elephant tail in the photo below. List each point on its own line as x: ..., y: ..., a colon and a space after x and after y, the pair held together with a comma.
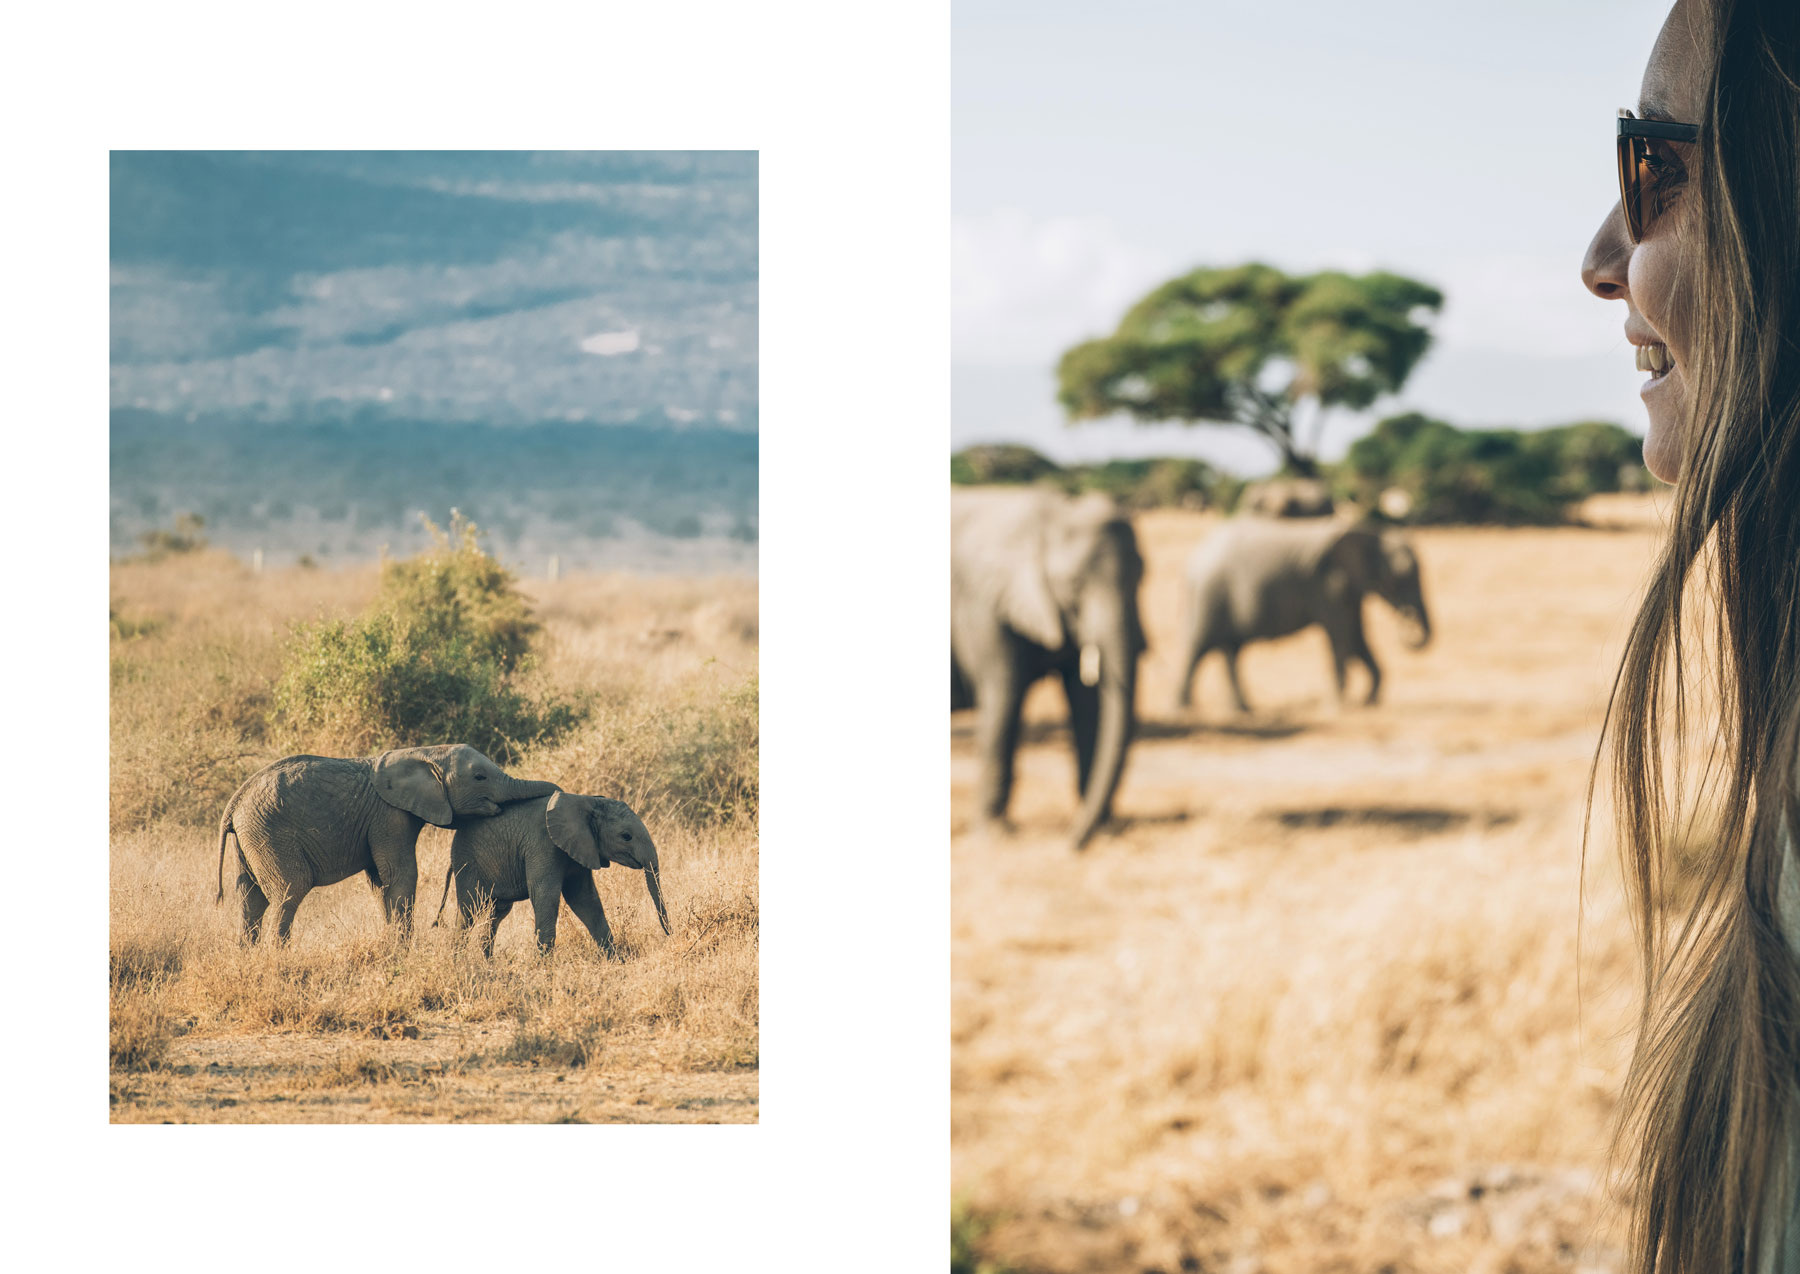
x: 445, y: 897
x: 225, y: 829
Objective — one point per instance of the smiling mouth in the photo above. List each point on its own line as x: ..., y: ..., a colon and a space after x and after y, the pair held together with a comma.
x: 1654, y: 359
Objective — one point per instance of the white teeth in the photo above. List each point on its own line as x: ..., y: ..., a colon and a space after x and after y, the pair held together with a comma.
x: 1653, y: 358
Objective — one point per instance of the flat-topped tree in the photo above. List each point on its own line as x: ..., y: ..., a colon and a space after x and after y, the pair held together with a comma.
x: 1255, y: 347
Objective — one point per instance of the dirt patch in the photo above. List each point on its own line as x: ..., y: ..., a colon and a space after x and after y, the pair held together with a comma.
x: 449, y: 1073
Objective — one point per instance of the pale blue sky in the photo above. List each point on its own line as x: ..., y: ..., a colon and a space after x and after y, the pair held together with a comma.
x: 1101, y: 149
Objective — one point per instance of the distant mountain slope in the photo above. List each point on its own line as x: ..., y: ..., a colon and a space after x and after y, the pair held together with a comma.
x: 502, y: 288
x: 600, y: 497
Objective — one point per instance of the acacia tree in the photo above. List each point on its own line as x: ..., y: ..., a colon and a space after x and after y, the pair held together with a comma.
x: 1252, y: 346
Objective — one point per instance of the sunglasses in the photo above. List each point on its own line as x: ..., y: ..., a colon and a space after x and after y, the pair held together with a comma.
x: 1646, y: 164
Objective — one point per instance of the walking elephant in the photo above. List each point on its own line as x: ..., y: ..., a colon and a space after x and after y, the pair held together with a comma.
x: 1041, y: 584
x: 308, y: 821
x: 1255, y: 579
x: 548, y: 850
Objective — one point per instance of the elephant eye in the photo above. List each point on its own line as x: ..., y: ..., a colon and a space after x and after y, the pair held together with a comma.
x: 481, y: 778
x: 624, y: 835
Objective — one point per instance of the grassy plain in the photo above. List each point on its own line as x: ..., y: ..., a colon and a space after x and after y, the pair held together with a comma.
x: 1320, y: 1001
x: 349, y: 1024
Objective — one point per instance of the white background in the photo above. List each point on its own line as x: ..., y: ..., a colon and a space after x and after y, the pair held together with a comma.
x: 849, y: 108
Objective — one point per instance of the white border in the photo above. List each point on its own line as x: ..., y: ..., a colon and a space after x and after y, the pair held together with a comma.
x: 849, y: 107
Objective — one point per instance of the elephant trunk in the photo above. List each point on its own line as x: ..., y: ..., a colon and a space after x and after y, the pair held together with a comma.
x: 509, y: 789
x: 1421, y: 618
x: 1118, y: 685
x: 651, y: 879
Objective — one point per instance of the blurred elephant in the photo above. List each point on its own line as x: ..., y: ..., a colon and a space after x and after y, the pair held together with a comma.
x: 548, y: 850
x: 1287, y: 498
x: 1042, y: 584
x: 307, y: 821
x: 1255, y: 579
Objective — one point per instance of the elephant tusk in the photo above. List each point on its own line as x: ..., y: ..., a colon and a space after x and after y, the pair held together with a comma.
x: 1090, y: 665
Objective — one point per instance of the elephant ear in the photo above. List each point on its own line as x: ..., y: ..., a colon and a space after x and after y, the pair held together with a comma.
x: 1346, y: 565
x: 1400, y: 560
x: 409, y: 780
x: 1028, y: 605
x: 566, y: 819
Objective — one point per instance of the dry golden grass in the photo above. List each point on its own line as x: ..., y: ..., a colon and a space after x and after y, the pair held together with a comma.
x: 347, y: 1022
x: 1314, y: 1004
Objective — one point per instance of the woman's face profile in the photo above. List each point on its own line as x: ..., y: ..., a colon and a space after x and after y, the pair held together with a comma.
x: 1649, y: 276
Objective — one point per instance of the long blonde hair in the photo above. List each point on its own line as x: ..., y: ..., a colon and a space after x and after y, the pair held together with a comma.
x: 1710, y: 1101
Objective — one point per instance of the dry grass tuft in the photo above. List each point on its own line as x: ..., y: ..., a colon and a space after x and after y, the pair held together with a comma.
x: 140, y: 1030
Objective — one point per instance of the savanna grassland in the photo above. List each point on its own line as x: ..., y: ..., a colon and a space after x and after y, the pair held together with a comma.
x: 1328, y: 997
x: 349, y: 1023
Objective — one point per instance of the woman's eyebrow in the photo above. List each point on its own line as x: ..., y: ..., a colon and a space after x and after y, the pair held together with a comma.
x: 1653, y: 108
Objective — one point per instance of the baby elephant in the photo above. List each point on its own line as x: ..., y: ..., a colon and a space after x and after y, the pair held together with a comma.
x: 547, y: 850
x: 1259, y: 578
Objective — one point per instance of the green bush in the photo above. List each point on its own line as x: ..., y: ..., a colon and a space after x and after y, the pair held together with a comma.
x: 1487, y: 475
x: 456, y: 592
x: 1000, y: 462
x: 185, y: 538
x: 1158, y: 482
x: 433, y: 660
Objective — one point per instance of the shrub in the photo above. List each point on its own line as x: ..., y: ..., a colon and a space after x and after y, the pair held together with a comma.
x: 1487, y: 475
x: 454, y: 591
x: 708, y: 756
x: 692, y: 760
x: 185, y: 538
x: 371, y: 683
x: 1157, y: 482
x: 1000, y: 462
x: 432, y: 659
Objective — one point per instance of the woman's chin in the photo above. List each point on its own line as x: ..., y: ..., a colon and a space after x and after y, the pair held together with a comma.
x: 1662, y: 442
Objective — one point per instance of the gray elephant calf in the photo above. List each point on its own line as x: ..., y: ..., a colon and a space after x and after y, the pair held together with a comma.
x: 548, y: 850
x: 1255, y: 579
x: 308, y: 821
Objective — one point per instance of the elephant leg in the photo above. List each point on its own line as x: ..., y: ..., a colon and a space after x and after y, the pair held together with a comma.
x: 1198, y: 644
x: 545, y: 904
x: 1084, y: 724
x: 493, y: 926
x: 1367, y: 658
x: 998, y: 698
x: 584, y: 901
x: 1237, y: 686
x: 395, y: 871
x: 285, y: 907
x: 1184, y: 686
x: 1340, y: 656
x: 251, y: 899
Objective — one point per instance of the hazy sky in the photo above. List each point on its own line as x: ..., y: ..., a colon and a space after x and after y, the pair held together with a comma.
x: 1099, y: 150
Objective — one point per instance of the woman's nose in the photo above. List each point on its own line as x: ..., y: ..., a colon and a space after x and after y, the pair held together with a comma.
x: 1603, y: 269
